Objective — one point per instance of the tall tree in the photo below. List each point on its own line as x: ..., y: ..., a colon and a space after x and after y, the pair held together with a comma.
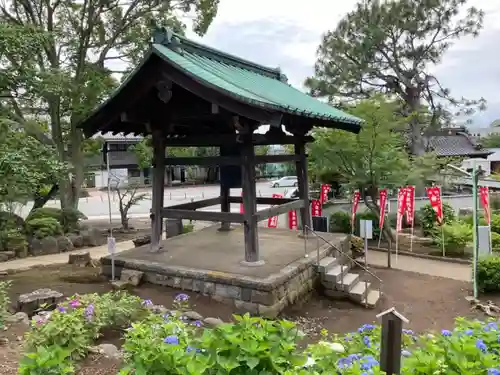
x: 373, y: 159
x: 390, y: 47
x: 57, y: 56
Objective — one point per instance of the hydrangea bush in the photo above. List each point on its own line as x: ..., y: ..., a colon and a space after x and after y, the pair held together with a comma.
x: 159, y: 342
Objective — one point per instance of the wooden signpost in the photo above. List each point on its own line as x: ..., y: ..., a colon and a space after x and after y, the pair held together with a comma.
x: 390, y: 346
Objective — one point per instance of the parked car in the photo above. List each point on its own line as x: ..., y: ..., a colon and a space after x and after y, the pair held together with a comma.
x: 292, y: 193
x: 285, y: 181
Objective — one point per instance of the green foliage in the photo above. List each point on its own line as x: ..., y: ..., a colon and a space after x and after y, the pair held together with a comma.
x: 43, y: 227
x: 12, y: 239
x: 488, y: 274
x: 187, y: 228
x: 427, y: 217
x: 51, y: 360
x: 491, y: 141
x: 65, y: 86
x: 5, y: 287
x: 495, y: 223
x: 495, y: 241
x: 68, y: 218
x: 469, y: 220
x: 250, y: 346
x: 495, y: 202
x: 457, y: 236
x: 77, y: 322
x: 340, y: 221
x: 391, y: 47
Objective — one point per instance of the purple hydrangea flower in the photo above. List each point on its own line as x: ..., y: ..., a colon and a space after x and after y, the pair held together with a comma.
x: 181, y: 297
x: 147, y: 303
x: 172, y: 340
x: 61, y: 309
x: 89, y: 312
x: 446, y: 333
x: 197, y: 323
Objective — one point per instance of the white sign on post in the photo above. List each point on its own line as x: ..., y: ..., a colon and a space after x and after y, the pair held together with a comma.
x: 366, y: 229
x: 483, y: 240
x: 111, y: 245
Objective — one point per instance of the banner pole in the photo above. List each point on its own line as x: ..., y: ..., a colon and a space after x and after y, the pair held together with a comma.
x: 442, y: 240
x: 397, y: 245
x: 411, y: 236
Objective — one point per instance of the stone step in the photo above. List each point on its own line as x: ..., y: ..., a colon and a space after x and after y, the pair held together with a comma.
x: 349, y: 281
x: 326, y: 264
x: 359, y: 291
x: 335, y: 273
x: 372, y: 298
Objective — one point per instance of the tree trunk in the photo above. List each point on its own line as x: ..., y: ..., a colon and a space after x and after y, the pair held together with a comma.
x: 40, y: 200
x: 371, y: 202
x: 124, y: 219
x: 417, y: 146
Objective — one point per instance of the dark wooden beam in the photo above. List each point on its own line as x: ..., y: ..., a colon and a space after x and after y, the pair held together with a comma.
x: 303, y: 179
x: 264, y: 200
x: 197, y: 204
x: 279, y: 210
x: 228, y: 160
x: 197, y: 140
x: 202, y: 215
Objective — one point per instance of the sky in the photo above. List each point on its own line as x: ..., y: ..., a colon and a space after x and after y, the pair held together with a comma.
x: 286, y: 34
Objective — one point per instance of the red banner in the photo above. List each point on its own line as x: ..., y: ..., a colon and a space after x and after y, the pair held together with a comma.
x: 272, y: 222
x: 434, y: 194
x: 383, y: 202
x: 401, y: 208
x: 355, y: 203
x: 325, y: 189
x: 484, y: 195
x: 410, y: 204
x: 316, y: 207
x: 242, y: 208
x: 292, y: 219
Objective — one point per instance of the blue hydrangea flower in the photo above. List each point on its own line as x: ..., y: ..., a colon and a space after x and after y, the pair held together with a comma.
x: 366, y: 327
x: 366, y: 341
x: 190, y: 349
x: 469, y: 332
x: 172, y: 340
x: 446, y: 333
x: 197, y: 323
x: 481, y: 345
x: 147, y: 303
x: 61, y: 309
x: 493, y: 371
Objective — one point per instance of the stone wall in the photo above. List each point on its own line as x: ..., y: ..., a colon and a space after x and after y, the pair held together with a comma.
x: 266, y: 297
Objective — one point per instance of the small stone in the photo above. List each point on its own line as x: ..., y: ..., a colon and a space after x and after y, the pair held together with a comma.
x: 91, y: 237
x: 212, y: 322
x: 108, y: 351
x: 10, y: 254
x: 3, y: 257
x: 82, y: 260
x: 76, y: 239
x: 131, y: 276
x: 121, y: 285
x: 192, y: 315
x: 4, y: 273
x: 4, y: 341
x: 18, y: 317
x: 19, y: 338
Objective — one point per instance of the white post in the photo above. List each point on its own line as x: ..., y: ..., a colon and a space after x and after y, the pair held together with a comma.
x: 111, y: 240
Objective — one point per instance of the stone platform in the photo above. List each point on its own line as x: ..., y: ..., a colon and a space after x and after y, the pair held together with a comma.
x: 208, y: 261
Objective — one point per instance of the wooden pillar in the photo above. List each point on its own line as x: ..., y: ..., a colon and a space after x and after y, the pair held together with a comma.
x: 302, y: 177
x: 158, y: 189
x: 249, y: 202
x: 225, y: 206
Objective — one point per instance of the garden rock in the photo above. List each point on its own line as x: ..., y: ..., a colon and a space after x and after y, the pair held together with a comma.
x: 192, y: 315
x: 212, y: 322
x: 35, y: 247
x: 4, y: 341
x: 121, y: 285
x: 108, y: 351
x: 82, y: 260
x: 131, y: 276
x: 76, y: 239
x: 49, y: 245
x: 29, y: 303
x: 91, y: 237
x: 3, y: 257
x: 141, y: 241
x: 64, y: 244
x: 18, y: 317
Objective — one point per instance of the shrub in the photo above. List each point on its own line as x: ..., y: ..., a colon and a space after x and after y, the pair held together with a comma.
x: 43, y: 227
x: 469, y: 220
x: 51, y: 360
x: 456, y: 237
x: 340, y: 221
x: 427, y: 217
x: 495, y: 223
x: 495, y: 241
x: 187, y: 228
x: 67, y: 218
x: 488, y: 274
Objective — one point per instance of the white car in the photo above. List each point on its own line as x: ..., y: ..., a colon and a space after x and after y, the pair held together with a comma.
x: 285, y: 181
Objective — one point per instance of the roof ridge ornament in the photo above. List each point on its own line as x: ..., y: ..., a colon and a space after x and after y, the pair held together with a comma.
x: 166, y: 37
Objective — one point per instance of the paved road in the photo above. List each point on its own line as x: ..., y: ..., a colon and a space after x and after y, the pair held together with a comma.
x: 97, y: 206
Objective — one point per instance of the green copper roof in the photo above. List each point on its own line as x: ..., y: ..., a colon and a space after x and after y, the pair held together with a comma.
x: 244, y: 80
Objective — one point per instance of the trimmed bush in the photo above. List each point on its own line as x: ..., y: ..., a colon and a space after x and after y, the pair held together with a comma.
x: 495, y: 223
x: 488, y: 274
x: 67, y: 218
x: 427, y: 217
x: 340, y: 221
x: 43, y: 227
x: 456, y: 237
x: 468, y: 219
x: 495, y: 241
